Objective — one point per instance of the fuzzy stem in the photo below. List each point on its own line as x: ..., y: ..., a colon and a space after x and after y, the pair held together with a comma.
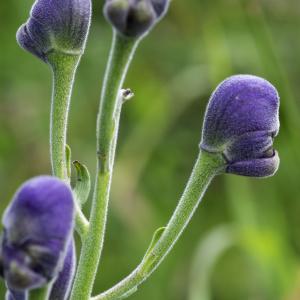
x: 206, y: 167
x: 81, y: 224
x: 40, y: 294
x: 121, y: 54
x: 64, y: 69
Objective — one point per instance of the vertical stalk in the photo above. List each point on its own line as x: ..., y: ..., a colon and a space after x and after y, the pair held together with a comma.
x: 64, y: 68
x: 206, y: 167
x: 40, y: 294
x: 121, y: 54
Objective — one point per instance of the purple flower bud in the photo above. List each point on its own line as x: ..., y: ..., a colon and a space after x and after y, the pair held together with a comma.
x: 62, y: 285
x: 60, y: 25
x: 38, y: 226
x: 241, y: 121
x: 134, y: 18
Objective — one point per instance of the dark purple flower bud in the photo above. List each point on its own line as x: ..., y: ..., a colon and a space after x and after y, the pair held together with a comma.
x: 60, y: 25
x: 134, y: 18
x: 38, y: 225
x: 62, y: 285
x: 241, y: 121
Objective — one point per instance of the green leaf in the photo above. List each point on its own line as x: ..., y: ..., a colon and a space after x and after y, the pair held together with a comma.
x: 68, y: 160
x: 149, y: 258
x: 82, y: 186
x: 156, y: 236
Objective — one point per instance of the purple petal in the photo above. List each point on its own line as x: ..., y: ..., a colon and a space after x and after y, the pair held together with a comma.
x: 133, y: 18
x: 263, y: 167
x: 62, y: 285
x: 37, y: 228
x: 27, y: 43
x: 241, y: 121
x: 249, y: 145
x: 56, y: 25
x: 240, y: 104
x: 160, y: 7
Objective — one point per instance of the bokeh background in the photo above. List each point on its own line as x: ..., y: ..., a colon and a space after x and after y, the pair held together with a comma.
x: 244, y: 241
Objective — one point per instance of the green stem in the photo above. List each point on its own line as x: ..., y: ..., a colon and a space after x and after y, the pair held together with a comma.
x: 64, y: 68
x: 206, y: 167
x: 121, y: 54
x: 40, y: 294
x: 81, y: 224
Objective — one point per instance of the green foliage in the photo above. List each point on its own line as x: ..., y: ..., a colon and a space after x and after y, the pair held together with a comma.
x: 82, y: 187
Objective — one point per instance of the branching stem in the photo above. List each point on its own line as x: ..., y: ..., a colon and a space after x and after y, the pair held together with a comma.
x: 206, y: 167
x: 107, y: 130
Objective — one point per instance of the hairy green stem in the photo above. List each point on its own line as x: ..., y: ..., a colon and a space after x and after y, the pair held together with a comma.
x: 40, y: 294
x: 64, y: 68
x: 121, y: 54
x: 81, y: 224
x: 206, y: 167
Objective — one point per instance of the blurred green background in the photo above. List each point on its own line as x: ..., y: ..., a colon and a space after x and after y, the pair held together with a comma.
x: 244, y: 241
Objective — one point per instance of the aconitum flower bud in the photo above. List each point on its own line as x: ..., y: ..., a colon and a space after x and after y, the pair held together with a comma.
x: 241, y: 121
x: 61, y: 287
x: 56, y: 25
x: 134, y: 18
x: 38, y: 225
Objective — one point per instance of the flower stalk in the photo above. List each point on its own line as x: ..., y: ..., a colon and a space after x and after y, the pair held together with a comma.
x: 56, y: 32
x: 207, y: 166
x: 40, y: 294
x: 64, y: 68
x: 121, y: 54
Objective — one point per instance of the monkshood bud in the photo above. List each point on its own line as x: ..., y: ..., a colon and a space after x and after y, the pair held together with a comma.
x: 134, y: 18
x: 56, y: 25
x: 61, y: 288
x: 38, y: 225
x: 62, y: 285
x: 241, y: 121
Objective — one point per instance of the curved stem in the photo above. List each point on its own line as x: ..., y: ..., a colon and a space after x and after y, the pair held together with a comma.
x: 206, y: 167
x: 81, y: 224
x: 121, y: 54
x: 64, y: 68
